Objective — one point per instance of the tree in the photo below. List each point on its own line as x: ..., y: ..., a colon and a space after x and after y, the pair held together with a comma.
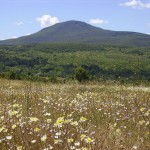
x: 82, y: 75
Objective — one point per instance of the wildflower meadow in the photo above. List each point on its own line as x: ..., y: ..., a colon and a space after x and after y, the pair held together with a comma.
x: 46, y: 116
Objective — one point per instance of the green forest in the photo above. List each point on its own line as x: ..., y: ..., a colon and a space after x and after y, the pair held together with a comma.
x: 66, y: 61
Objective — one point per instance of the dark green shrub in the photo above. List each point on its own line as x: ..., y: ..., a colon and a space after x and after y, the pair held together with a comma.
x: 82, y: 75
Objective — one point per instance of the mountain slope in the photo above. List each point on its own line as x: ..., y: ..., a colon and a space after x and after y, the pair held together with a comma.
x: 80, y: 32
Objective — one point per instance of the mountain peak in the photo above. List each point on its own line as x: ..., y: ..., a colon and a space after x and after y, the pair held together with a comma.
x: 72, y: 24
x: 75, y: 22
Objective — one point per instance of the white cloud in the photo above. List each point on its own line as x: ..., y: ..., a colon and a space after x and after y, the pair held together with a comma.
x: 47, y: 20
x: 97, y: 21
x: 136, y: 4
x: 14, y: 37
x: 149, y: 24
x: 19, y: 23
x: 27, y: 34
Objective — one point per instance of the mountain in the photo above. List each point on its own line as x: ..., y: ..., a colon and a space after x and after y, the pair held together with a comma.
x: 80, y: 32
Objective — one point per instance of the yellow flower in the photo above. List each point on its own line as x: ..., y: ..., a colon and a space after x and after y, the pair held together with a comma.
x: 56, y: 141
x: 46, y: 101
x: 19, y: 147
x: 59, y: 122
x: 147, y: 113
x: 70, y: 140
x: 142, y: 109
x: 141, y: 122
x: 2, y: 128
x: 67, y: 121
x: 70, y: 115
x: 36, y: 130
x: 82, y: 119
x: 12, y: 113
x: 14, y: 126
x: 82, y: 136
x: 89, y: 140
x: 15, y: 105
x: 75, y: 123
x: 33, y: 119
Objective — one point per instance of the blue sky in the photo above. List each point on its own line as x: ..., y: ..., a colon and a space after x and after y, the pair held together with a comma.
x: 23, y: 17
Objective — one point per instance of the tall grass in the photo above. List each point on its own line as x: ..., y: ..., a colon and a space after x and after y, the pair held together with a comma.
x: 39, y: 116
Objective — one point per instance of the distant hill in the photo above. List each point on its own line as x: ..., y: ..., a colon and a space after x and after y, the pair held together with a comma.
x: 80, y: 32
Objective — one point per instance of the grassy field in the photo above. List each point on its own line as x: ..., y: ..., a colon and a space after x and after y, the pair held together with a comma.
x: 45, y: 116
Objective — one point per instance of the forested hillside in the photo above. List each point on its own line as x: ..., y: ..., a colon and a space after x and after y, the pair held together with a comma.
x: 62, y: 60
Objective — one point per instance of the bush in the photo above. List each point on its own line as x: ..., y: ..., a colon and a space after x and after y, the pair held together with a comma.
x: 82, y: 75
